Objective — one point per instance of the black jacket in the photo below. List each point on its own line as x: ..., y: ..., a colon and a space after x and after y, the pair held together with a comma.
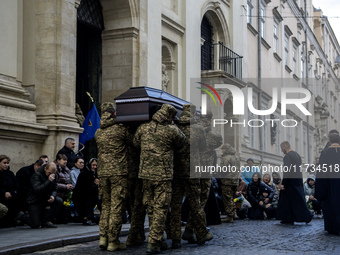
x: 8, y: 183
x: 85, y: 186
x: 42, y: 188
x: 255, y: 191
x: 292, y: 175
x: 24, y: 176
x: 71, y: 156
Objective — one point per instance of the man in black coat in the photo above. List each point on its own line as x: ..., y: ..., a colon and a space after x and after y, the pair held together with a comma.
x: 24, y: 176
x: 43, y: 193
x: 67, y: 150
x: 292, y: 205
x: 327, y: 186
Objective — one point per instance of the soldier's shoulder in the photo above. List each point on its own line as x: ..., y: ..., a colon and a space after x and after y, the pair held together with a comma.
x: 143, y: 126
x: 197, y: 128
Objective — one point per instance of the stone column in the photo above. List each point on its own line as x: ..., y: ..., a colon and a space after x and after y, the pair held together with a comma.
x: 55, y: 62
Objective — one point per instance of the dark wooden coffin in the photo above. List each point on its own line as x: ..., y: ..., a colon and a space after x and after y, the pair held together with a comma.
x: 140, y: 103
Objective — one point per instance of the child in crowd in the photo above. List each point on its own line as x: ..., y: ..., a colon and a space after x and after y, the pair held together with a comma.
x: 267, y: 205
x: 313, y: 204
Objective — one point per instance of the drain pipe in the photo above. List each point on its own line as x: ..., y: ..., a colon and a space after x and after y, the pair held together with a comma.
x: 307, y: 85
x: 259, y: 77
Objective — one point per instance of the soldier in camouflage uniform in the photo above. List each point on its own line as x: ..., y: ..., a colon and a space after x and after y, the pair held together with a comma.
x: 229, y: 182
x: 112, y: 140
x: 138, y: 210
x: 214, y: 140
x: 183, y: 184
x: 157, y: 140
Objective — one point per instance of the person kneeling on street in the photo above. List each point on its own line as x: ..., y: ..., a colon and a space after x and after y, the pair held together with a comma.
x: 43, y: 193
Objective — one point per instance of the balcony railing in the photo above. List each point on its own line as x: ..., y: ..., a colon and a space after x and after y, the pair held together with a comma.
x: 228, y: 61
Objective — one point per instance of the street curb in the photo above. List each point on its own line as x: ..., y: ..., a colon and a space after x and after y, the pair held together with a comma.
x: 55, y: 243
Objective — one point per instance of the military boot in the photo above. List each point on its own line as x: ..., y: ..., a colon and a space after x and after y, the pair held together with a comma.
x: 188, y: 235
x: 116, y: 246
x: 229, y: 219
x: 153, y: 248
x: 206, y: 238
x: 103, y: 242
x: 134, y: 241
x: 164, y: 246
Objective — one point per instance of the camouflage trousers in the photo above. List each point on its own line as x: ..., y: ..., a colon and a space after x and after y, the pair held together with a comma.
x: 191, y: 188
x: 204, y: 195
x: 228, y: 192
x: 113, y: 192
x: 138, y: 209
x: 156, y: 198
x: 3, y: 210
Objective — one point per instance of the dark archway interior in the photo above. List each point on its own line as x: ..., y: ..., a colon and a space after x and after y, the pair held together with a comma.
x: 89, y: 66
x: 89, y: 61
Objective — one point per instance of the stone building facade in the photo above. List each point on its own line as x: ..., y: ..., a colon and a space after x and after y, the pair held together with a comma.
x: 53, y: 51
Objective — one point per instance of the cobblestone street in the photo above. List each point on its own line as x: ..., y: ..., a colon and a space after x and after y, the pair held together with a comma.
x: 242, y: 237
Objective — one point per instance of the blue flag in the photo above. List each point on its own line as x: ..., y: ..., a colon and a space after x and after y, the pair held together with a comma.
x: 91, y: 124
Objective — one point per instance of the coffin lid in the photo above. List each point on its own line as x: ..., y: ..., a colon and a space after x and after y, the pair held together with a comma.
x: 137, y: 96
x: 143, y: 94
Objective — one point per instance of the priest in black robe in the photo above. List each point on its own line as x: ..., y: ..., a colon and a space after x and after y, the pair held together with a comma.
x: 327, y: 185
x: 333, y: 131
x: 292, y: 205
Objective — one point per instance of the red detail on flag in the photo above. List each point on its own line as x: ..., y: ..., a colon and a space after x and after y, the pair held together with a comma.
x: 90, y: 123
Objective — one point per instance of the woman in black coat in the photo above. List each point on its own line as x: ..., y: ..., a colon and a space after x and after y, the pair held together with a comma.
x: 85, y: 194
x: 255, y: 189
x: 8, y: 192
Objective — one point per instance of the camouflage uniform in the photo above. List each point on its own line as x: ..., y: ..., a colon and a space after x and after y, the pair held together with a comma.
x: 214, y: 140
x: 3, y: 210
x: 230, y: 179
x: 138, y: 209
x: 112, y: 139
x: 157, y: 140
x: 182, y: 183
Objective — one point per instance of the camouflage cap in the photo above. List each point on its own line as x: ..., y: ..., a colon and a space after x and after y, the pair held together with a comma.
x: 107, y: 107
x: 188, y: 110
x: 169, y: 109
x: 208, y: 116
x: 228, y: 148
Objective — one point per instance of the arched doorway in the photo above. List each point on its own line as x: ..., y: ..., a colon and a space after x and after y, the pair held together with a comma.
x: 89, y: 61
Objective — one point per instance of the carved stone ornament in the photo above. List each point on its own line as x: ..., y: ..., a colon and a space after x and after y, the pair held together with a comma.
x: 165, y: 78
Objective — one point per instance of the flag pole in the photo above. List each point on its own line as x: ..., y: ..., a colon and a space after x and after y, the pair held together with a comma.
x: 88, y: 93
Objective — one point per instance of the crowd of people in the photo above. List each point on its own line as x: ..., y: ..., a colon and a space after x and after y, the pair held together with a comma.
x: 46, y: 193
x: 149, y: 165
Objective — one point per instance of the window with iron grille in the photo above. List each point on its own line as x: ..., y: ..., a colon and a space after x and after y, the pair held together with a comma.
x: 207, y: 54
x: 90, y: 13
